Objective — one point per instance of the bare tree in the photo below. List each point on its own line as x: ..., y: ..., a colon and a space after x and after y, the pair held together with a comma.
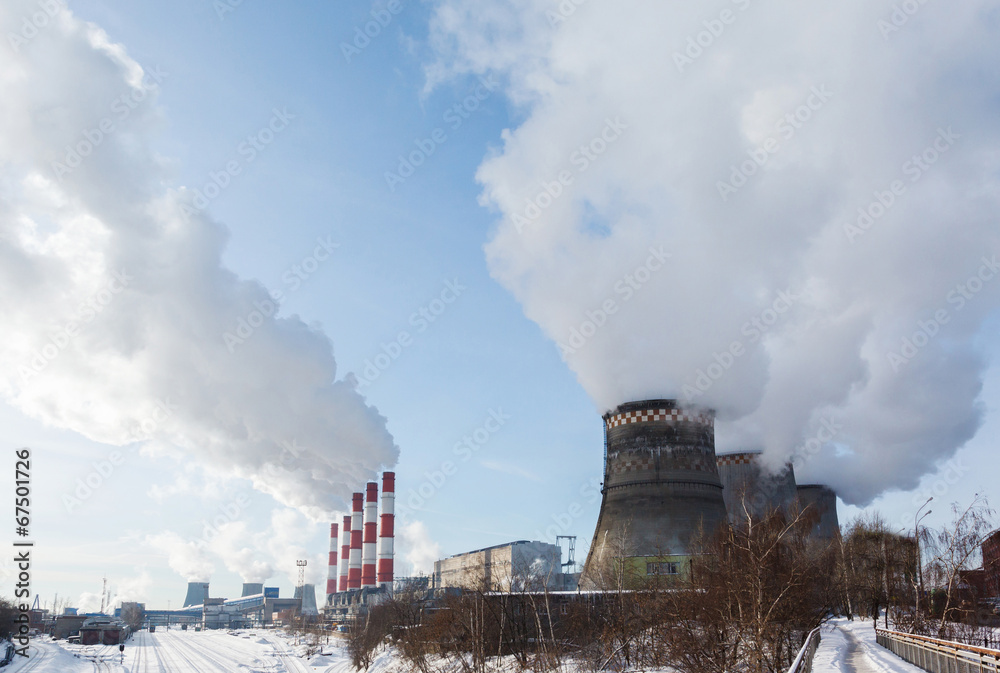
x: 954, y: 549
x: 760, y: 587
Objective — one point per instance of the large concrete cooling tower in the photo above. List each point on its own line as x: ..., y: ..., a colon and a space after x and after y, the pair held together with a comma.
x: 252, y: 589
x: 307, y: 592
x: 196, y: 594
x: 749, y: 488
x: 823, y: 501
x: 661, y: 484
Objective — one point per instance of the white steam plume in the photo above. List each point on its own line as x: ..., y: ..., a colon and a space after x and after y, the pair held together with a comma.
x: 636, y: 115
x: 115, y: 302
x: 186, y: 558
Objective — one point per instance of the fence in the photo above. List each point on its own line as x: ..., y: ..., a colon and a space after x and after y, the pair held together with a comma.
x: 804, y: 661
x: 939, y: 656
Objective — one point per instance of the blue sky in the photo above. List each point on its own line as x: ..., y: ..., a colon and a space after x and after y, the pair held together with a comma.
x: 444, y: 234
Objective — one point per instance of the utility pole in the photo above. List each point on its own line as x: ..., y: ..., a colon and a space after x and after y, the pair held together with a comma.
x: 920, y: 565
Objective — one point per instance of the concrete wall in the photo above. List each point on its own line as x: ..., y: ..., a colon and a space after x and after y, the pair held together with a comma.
x: 748, y: 487
x: 661, y: 486
x: 502, y: 568
x: 821, y: 501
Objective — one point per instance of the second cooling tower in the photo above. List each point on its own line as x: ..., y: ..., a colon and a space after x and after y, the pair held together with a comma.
x: 661, y: 483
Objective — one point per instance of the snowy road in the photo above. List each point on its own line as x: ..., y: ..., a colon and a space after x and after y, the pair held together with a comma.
x: 850, y: 647
x: 177, y: 651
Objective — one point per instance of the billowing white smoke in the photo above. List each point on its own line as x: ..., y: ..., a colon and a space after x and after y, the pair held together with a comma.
x: 187, y: 558
x: 115, y: 303
x: 679, y: 211
x: 230, y: 544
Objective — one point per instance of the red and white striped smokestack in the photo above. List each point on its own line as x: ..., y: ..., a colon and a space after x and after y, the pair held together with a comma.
x: 368, y: 559
x: 331, y: 573
x: 354, y: 567
x: 345, y: 551
x: 385, y: 550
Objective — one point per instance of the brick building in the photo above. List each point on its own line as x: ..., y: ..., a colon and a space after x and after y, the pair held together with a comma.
x: 991, y: 564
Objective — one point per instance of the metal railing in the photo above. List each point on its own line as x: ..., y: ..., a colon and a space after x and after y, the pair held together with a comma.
x: 939, y: 656
x: 804, y: 661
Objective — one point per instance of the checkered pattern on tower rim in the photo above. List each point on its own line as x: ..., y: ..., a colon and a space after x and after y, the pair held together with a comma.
x: 737, y: 459
x: 654, y: 415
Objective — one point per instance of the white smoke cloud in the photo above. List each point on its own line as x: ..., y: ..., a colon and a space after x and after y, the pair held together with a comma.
x: 415, y: 547
x: 115, y: 302
x: 620, y: 239
x: 230, y: 545
x: 187, y: 558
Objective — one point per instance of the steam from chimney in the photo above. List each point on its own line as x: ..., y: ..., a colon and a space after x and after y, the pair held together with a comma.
x: 800, y: 238
x: 117, y: 305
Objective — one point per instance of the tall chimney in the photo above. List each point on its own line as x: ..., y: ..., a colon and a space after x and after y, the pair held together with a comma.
x: 385, y: 549
x: 345, y: 551
x: 331, y: 573
x: 354, y: 567
x: 661, y: 488
x: 371, y: 535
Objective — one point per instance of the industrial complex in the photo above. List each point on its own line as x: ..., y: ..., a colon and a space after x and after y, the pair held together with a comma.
x: 664, y: 488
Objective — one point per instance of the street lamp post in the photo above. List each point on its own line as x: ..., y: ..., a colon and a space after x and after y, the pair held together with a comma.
x: 916, y: 540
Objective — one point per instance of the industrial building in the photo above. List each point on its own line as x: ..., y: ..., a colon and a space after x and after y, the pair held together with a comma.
x: 257, y: 606
x: 515, y: 566
x: 991, y: 564
x: 661, y: 490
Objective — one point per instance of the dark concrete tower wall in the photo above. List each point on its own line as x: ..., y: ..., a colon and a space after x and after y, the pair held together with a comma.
x: 661, y: 482
x: 749, y: 486
x: 823, y: 501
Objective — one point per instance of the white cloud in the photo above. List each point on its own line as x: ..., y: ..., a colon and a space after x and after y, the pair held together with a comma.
x: 861, y: 106
x: 115, y: 302
x: 416, y: 548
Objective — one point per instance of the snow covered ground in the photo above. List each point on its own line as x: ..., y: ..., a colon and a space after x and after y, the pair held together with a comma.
x: 850, y: 647
x: 176, y: 651
x: 847, y: 647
